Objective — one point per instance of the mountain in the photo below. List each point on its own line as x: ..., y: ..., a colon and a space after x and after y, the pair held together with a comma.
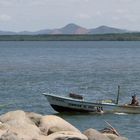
x: 25, y: 33
x: 7, y: 33
x: 106, y: 30
x: 73, y: 29
x: 69, y: 29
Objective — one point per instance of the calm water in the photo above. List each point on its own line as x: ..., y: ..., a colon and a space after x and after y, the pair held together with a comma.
x: 93, y: 69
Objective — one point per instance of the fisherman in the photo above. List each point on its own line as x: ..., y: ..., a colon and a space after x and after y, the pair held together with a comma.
x: 134, y: 101
x: 100, y: 109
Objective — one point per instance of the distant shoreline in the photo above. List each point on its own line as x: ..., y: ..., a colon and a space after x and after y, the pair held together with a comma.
x: 97, y: 37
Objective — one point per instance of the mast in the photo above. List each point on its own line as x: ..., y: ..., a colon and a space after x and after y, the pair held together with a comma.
x: 117, y: 101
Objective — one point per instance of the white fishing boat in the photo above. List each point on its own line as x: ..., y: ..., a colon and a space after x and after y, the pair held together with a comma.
x: 68, y: 104
x: 75, y: 103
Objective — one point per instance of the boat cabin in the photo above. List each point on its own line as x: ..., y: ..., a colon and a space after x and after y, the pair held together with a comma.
x: 76, y: 96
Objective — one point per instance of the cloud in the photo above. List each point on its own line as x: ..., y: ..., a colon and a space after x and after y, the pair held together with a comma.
x: 127, y: 1
x: 4, y: 3
x: 120, y: 11
x: 5, y: 17
x: 98, y: 13
x: 8, y: 3
x: 36, y: 14
x: 83, y: 16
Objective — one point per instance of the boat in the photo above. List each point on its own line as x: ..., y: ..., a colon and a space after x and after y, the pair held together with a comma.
x: 74, y: 103
x: 68, y: 104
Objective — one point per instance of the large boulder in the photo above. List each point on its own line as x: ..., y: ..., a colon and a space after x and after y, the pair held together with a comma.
x: 9, y: 136
x: 66, y: 135
x: 121, y: 138
x: 3, y: 128
x: 18, y: 123
x: 50, y: 124
x: 15, y: 118
x: 34, y: 117
x: 93, y: 134
x: 114, y: 137
x: 110, y: 136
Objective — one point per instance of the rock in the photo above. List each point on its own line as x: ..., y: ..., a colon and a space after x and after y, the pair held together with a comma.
x: 53, y: 130
x: 66, y: 135
x: 109, y: 131
x: 18, y: 123
x: 121, y: 138
x: 50, y: 124
x: 34, y: 117
x: 114, y: 137
x: 93, y: 134
x: 9, y: 136
x: 2, y: 132
x: 27, y: 131
x: 15, y: 118
x: 111, y: 136
x: 4, y: 126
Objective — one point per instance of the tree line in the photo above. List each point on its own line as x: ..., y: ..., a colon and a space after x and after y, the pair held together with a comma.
x: 98, y: 37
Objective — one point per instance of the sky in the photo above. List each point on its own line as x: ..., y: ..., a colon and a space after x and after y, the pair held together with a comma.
x: 33, y: 15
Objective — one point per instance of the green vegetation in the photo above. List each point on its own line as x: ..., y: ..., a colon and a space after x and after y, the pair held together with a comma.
x: 101, y: 37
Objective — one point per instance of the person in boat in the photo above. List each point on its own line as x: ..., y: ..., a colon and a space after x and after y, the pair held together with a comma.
x: 134, y: 101
x: 100, y: 110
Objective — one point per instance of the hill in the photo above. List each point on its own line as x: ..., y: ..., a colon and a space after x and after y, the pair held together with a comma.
x: 69, y: 29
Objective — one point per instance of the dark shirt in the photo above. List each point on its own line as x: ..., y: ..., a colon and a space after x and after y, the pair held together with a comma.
x: 134, y: 102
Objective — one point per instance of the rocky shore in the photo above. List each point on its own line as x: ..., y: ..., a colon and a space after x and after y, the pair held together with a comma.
x: 20, y: 125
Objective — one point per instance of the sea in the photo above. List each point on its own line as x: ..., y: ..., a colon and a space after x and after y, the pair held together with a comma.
x: 93, y: 69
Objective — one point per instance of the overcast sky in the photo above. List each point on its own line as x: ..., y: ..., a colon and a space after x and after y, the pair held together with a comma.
x: 32, y: 15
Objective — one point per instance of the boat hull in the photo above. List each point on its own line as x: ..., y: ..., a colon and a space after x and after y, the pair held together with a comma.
x: 66, y: 104
x: 128, y: 109
x: 68, y: 109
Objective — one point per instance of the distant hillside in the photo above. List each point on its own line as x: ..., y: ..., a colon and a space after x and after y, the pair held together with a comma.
x: 73, y: 29
x: 70, y: 29
x: 106, y: 30
x: 6, y: 33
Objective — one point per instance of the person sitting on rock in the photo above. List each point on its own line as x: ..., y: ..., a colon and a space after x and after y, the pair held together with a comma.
x: 134, y: 101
